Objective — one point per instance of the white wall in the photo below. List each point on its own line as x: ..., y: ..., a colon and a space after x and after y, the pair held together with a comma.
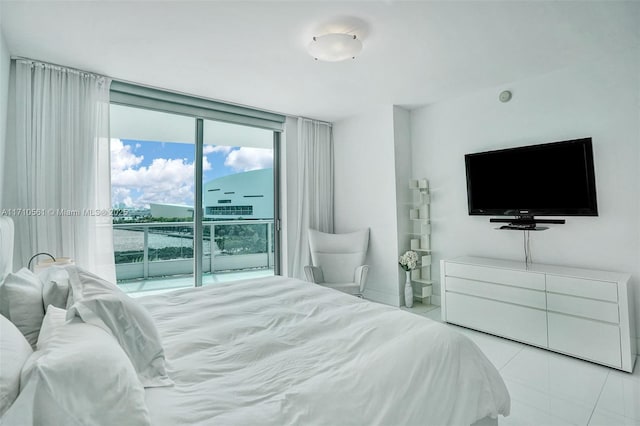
x: 404, y: 196
x: 600, y: 100
x: 5, y: 61
x: 365, y: 194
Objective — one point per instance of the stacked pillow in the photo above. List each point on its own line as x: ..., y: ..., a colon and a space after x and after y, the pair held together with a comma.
x: 54, y: 318
x: 21, y: 303
x: 102, y: 327
x: 25, y: 295
x: 14, y: 351
x: 55, y: 287
x: 65, y: 381
x: 103, y: 304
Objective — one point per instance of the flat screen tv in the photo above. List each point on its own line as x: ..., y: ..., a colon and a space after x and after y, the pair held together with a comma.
x: 552, y: 179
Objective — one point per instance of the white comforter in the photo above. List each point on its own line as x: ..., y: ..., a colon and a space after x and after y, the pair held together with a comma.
x: 280, y: 351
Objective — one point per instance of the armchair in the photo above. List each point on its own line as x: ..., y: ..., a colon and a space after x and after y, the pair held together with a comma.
x: 338, y: 260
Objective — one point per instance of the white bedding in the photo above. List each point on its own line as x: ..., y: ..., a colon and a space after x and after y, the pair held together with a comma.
x: 279, y: 351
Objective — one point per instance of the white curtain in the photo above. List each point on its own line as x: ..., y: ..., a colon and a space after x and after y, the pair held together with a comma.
x: 61, y: 185
x: 315, y: 187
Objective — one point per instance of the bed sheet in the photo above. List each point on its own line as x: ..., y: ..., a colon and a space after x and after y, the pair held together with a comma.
x: 280, y: 351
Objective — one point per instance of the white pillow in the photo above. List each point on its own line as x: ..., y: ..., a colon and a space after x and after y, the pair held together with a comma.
x: 55, y: 286
x: 101, y: 303
x: 54, y: 318
x: 14, y: 351
x: 81, y: 376
x: 21, y: 303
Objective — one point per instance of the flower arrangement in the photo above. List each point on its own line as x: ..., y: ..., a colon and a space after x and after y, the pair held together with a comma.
x: 409, y: 260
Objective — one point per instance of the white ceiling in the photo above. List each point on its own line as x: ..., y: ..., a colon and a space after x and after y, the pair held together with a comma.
x: 254, y: 53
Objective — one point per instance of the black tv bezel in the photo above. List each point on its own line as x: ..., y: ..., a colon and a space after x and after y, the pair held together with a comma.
x: 591, y: 210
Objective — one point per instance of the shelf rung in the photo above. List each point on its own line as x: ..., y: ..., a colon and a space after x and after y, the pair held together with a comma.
x: 421, y: 281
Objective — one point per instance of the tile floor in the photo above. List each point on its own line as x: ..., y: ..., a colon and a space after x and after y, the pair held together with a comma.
x: 552, y: 389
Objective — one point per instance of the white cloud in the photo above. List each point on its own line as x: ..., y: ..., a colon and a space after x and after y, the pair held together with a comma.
x: 206, y: 165
x: 161, y: 172
x: 168, y: 180
x: 245, y: 159
x: 121, y: 156
x: 210, y: 149
x: 121, y: 195
x: 163, y: 181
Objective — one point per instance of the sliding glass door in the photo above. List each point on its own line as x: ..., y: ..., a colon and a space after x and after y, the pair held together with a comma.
x: 238, y: 201
x: 195, y: 200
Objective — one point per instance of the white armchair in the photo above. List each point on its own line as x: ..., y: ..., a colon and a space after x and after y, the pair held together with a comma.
x: 338, y: 260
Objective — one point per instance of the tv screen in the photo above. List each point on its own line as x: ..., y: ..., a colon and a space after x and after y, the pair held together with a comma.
x: 553, y: 179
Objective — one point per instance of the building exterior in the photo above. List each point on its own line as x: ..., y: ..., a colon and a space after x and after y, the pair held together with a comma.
x: 247, y: 195
x: 171, y: 211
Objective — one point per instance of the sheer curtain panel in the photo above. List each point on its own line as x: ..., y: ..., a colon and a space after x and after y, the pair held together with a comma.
x: 315, y: 187
x: 59, y: 168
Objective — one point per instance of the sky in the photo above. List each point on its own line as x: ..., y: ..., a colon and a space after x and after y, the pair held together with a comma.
x: 144, y: 172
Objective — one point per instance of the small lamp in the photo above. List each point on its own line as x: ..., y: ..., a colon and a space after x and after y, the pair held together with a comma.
x: 49, y: 262
x: 335, y: 47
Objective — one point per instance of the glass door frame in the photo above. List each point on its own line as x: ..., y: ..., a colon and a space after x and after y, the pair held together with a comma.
x: 132, y: 95
x: 198, y: 214
x: 277, y: 222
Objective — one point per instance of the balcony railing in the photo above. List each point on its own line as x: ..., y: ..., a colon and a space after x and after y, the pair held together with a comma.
x: 162, y: 249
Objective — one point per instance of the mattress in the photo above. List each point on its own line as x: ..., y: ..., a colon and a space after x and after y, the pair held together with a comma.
x: 280, y: 351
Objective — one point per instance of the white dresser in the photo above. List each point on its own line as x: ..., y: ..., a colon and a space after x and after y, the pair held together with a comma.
x: 584, y: 313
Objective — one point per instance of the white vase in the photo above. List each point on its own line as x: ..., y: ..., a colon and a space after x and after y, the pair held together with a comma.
x: 408, y: 291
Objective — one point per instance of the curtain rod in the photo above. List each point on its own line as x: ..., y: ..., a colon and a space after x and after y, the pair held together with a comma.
x: 14, y: 57
x: 22, y: 58
x: 317, y: 121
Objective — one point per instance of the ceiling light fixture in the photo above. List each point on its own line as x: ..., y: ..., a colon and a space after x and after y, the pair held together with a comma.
x: 335, y: 47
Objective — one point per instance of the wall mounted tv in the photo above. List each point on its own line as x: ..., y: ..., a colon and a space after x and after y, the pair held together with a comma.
x: 552, y: 179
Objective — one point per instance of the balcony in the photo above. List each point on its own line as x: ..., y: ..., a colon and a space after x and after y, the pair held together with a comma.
x: 158, y: 256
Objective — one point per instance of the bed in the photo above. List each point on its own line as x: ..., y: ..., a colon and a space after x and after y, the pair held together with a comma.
x: 280, y: 351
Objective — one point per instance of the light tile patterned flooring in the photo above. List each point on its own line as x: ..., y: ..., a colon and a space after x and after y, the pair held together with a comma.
x: 552, y: 389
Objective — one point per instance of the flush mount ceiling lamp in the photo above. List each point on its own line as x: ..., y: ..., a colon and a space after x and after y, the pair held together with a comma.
x: 335, y: 47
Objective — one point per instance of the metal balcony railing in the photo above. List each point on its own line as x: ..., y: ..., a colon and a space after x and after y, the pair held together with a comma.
x: 162, y: 249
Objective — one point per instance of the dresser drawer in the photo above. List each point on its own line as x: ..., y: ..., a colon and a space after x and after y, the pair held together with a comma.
x: 601, y: 290
x: 503, y: 319
x: 580, y: 312
x: 587, y: 339
x: 503, y: 293
x: 531, y: 280
x: 587, y: 308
